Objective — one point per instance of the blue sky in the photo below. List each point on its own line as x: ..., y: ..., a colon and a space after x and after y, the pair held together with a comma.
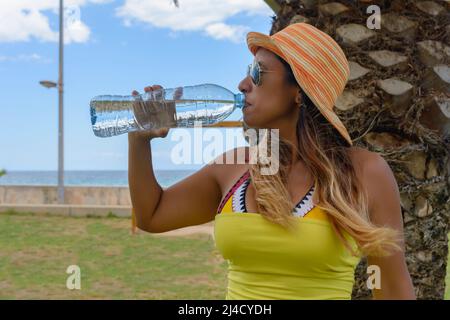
x: 114, y: 47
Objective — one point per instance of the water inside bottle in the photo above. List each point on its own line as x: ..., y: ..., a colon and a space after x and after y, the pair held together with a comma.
x: 114, y: 115
x: 111, y: 116
x: 206, y: 111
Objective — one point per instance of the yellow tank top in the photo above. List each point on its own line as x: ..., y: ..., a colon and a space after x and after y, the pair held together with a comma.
x: 265, y: 261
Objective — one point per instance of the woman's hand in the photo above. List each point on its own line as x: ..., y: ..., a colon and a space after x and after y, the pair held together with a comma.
x: 142, y: 110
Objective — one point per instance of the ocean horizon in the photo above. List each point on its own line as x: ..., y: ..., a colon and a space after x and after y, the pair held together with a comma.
x: 110, y: 178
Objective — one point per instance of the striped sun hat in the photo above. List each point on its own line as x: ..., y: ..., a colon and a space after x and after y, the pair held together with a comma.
x: 318, y: 63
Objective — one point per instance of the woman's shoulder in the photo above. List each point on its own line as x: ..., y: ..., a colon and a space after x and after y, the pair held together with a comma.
x: 380, y: 183
x: 366, y: 164
x: 360, y: 157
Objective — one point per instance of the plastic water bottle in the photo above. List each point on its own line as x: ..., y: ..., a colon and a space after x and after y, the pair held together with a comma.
x: 178, y: 107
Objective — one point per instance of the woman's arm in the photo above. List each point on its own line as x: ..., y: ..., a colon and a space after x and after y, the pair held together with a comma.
x: 191, y: 201
x: 385, y: 210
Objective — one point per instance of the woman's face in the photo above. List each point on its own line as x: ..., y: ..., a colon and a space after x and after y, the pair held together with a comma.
x: 274, y: 103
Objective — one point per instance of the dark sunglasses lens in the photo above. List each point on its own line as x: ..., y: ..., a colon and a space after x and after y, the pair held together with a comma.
x: 255, y: 73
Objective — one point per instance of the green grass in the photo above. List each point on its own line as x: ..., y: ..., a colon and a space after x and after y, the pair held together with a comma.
x: 37, y: 249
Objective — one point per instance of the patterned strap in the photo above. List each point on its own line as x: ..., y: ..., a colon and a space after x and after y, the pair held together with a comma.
x: 238, y: 183
x: 238, y: 201
x: 305, y: 204
x: 301, y: 208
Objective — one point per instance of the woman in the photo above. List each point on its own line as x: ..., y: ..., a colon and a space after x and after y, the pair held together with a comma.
x: 298, y: 233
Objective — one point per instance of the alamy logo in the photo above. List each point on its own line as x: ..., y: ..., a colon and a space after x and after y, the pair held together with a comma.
x: 263, y: 151
x: 374, y: 21
x: 74, y: 280
x: 374, y: 280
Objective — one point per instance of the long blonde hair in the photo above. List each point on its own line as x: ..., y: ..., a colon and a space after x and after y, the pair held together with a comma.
x: 338, y: 190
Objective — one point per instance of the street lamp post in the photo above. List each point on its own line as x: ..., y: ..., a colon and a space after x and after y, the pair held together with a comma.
x: 50, y: 84
x: 60, y: 98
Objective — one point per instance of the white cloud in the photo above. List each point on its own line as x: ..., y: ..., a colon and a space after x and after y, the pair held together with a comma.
x: 224, y: 31
x: 34, y: 57
x: 194, y: 15
x: 101, y: 1
x: 77, y: 32
x: 23, y: 20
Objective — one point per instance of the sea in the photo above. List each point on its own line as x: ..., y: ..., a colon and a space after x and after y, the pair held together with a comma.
x: 88, y: 178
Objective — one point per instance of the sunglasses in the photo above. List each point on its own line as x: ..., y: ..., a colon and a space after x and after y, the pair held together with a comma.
x: 254, y: 71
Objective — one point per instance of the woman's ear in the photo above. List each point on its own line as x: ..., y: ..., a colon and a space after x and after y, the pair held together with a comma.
x: 298, y: 97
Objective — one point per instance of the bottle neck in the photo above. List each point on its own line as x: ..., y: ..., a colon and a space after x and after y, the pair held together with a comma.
x: 239, y: 100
